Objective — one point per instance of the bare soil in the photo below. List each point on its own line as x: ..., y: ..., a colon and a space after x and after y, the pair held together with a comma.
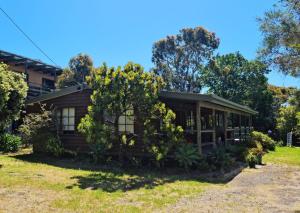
x: 270, y: 188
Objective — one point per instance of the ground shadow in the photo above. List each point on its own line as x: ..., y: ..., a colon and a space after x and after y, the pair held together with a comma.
x: 112, y: 178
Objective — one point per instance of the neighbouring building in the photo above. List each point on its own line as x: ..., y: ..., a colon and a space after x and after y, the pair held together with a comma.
x: 207, y: 120
x: 39, y: 76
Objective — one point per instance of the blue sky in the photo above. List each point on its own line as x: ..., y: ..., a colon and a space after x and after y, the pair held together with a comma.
x: 118, y: 31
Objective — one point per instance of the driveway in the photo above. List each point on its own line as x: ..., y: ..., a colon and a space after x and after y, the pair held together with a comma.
x: 271, y: 188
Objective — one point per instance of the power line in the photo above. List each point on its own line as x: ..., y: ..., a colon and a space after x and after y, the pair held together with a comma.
x: 34, y: 44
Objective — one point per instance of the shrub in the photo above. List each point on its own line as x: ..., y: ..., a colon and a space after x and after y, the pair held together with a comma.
x: 54, y: 146
x: 187, y: 155
x: 251, y: 159
x: 266, y: 142
x: 10, y: 143
x: 237, y: 151
x: 258, y: 152
x: 219, y: 159
x: 40, y: 130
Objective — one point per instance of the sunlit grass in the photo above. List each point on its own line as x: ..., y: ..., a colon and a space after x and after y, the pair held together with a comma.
x: 95, y: 191
x: 284, y: 155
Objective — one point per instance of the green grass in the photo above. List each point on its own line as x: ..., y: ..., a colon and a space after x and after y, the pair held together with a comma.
x: 284, y: 155
x: 66, y: 187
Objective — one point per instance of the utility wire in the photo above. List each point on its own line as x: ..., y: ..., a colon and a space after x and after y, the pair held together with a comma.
x: 34, y: 44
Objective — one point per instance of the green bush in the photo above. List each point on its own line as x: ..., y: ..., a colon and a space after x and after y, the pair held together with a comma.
x: 54, y: 146
x: 10, y: 143
x: 251, y: 159
x: 219, y: 159
x: 266, y: 142
x: 237, y: 151
x: 187, y: 155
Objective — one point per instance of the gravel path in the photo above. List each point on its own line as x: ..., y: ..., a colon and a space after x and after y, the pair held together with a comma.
x: 271, y: 188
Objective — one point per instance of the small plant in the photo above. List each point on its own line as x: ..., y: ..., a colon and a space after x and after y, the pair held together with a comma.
x: 251, y: 159
x: 220, y: 159
x: 54, y: 146
x: 10, y: 143
x: 187, y: 156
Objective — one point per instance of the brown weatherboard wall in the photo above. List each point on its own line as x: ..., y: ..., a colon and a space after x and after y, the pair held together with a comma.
x: 80, y: 101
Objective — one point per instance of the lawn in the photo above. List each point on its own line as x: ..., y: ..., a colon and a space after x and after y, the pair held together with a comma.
x: 31, y: 183
x: 284, y: 155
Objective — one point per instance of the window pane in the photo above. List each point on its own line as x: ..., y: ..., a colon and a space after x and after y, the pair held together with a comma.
x: 65, y: 121
x: 71, y: 121
x: 122, y: 128
x: 65, y: 112
x: 130, y: 128
x: 71, y: 128
x: 71, y: 112
x: 130, y: 120
x: 122, y: 119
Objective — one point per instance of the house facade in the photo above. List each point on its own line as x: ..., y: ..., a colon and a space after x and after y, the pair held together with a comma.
x: 208, y: 120
x: 40, y: 76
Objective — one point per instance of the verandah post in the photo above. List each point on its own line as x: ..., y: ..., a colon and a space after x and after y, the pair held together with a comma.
x: 198, y: 123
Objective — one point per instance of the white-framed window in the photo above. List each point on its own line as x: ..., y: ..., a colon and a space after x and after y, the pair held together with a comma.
x: 68, y: 119
x: 126, y: 122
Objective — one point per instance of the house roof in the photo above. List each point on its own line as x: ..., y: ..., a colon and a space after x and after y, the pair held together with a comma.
x: 211, y: 98
x: 56, y: 94
x: 164, y: 94
x: 36, y: 65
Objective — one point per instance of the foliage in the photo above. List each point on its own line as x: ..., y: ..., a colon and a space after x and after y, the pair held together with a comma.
x: 266, y: 142
x: 179, y: 58
x: 288, y: 121
x: 10, y: 143
x: 219, y: 159
x: 281, y: 43
x: 237, y: 151
x: 81, y: 65
x: 117, y: 91
x: 161, y: 143
x: 54, y: 146
x: 187, y: 155
x: 252, y: 159
x: 236, y: 79
x: 67, y: 78
x: 13, y: 91
x: 282, y: 95
x: 38, y: 129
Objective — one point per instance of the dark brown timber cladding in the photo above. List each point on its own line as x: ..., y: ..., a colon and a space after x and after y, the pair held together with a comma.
x: 80, y: 101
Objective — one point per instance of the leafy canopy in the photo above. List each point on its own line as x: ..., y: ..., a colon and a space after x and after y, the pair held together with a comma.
x: 235, y: 78
x: 117, y: 91
x: 79, y: 67
x: 281, y: 30
x: 179, y: 58
x: 13, y: 92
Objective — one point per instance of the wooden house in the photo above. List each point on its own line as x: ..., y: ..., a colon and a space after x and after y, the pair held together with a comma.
x: 40, y: 76
x: 207, y: 120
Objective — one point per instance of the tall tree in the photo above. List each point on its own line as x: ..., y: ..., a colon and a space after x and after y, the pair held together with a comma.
x: 13, y: 91
x: 81, y: 65
x: 235, y: 78
x: 281, y: 30
x: 180, y: 58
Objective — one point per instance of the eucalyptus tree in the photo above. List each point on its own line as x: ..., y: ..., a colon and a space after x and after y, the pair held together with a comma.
x: 179, y: 59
